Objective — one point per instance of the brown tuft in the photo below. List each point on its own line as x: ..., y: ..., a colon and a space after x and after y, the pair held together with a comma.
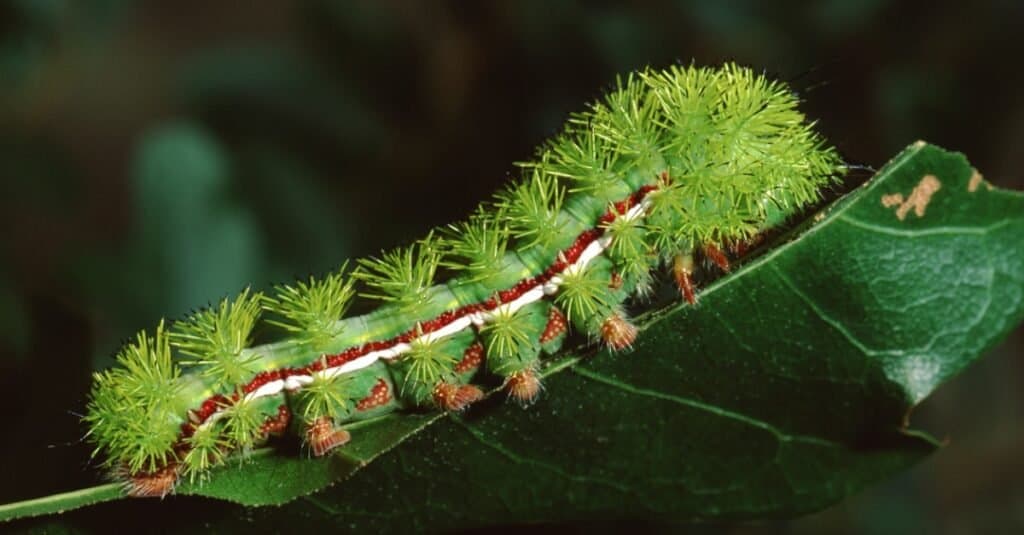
x: 682, y: 270
x: 523, y: 386
x: 323, y: 437
x: 716, y: 256
x: 456, y: 397
x: 618, y: 333
x: 742, y: 247
x: 156, y: 484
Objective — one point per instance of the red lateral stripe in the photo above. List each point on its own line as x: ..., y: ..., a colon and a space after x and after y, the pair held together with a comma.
x: 567, y: 257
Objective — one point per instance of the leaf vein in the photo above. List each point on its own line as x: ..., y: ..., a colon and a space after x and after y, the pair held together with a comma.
x: 950, y: 230
x: 780, y: 435
x: 835, y: 324
x: 519, y: 459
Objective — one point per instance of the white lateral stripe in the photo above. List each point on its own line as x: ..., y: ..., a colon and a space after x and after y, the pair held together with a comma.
x: 267, y: 389
x: 536, y: 293
x: 455, y: 326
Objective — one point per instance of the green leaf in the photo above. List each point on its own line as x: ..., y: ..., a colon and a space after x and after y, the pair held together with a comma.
x: 788, y: 388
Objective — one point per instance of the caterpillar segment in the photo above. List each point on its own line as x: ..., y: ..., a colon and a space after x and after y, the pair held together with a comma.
x: 332, y: 399
x: 427, y: 376
x: 459, y: 394
x: 670, y: 166
x: 523, y: 384
x: 513, y: 342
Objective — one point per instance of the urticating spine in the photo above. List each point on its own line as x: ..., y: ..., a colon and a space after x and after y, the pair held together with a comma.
x: 670, y: 164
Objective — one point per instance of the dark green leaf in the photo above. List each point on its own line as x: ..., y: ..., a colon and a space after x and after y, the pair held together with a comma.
x: 787, y: 389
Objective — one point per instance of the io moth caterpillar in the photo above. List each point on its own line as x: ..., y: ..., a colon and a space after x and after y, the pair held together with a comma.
x: 671, y: 165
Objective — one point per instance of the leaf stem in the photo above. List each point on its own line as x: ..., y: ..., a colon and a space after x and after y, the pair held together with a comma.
x: 58, y: 503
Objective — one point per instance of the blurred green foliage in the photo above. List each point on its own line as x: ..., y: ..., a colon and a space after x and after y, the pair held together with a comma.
x: 160, y: 155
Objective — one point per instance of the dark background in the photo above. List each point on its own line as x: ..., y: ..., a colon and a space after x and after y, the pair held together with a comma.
x: 159, y: 155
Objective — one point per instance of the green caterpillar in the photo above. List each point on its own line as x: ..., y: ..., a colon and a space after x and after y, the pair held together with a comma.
x: 668, y: 165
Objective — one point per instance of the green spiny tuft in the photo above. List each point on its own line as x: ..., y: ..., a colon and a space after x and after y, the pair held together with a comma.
x: 584, y: 294
x: 629, y: 250
x: 677, y: 222
x: 734, y: 136
x: 476, y: 246
x: 135, y: 410
x: 402, y: 276
x: 428, y: 361
x: 740, y: 154
x: 326, y: 396
x: 310, y: 310
x: 686, y: 97
x: 582, y: 156
x: 532, y: 208
x: 243, y: 421
x: 217, y: 336
x: 207, y: 448
x: 598, y: 145
x: 507, y: 334
x: 627, y: 119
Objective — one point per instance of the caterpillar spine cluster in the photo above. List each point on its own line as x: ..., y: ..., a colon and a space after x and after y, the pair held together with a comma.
x: 668, y: 164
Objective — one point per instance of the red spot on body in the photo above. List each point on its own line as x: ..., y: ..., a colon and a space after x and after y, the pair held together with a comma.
x: 276, y: 425
x: 379, y: 396
x: 471, y: 359
x: 556, y: 326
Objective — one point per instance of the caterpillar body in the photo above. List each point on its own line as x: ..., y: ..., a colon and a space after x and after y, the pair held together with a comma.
x: 668, y: 166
